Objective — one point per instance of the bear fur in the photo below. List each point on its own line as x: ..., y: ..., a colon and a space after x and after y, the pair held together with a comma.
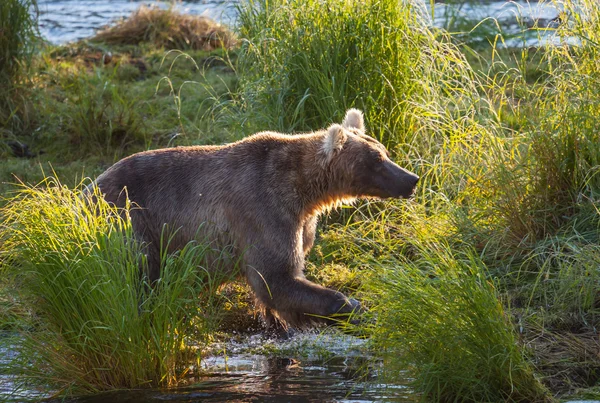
x: 261, y: 198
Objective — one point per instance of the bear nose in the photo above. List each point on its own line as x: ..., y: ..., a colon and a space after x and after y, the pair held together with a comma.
x: 414, y: 179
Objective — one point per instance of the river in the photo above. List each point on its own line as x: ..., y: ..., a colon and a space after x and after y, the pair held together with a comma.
x: 64, y: 21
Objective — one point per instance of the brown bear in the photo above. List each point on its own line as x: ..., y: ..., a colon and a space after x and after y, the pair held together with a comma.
x: 261, y: 197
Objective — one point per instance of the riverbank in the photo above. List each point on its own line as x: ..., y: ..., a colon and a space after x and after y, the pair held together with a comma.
x: 489, y: 275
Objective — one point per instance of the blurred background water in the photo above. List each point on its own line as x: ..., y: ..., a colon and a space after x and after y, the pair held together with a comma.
x: 64, y: 21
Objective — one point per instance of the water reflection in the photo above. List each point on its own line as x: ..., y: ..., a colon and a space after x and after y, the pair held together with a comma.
x: 309, y: 367
x: 255, y: 378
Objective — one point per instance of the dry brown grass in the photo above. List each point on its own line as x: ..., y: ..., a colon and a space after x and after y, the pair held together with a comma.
x: 168, y: 29
x: 566, y: 360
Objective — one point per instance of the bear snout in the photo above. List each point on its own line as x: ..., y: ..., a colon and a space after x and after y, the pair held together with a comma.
x: 412, y: 180
x: 407, y: 186
x: 401, y: 183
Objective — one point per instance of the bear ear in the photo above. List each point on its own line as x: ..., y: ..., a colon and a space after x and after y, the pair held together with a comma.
x: 354, y: 120
x: 333, y: 142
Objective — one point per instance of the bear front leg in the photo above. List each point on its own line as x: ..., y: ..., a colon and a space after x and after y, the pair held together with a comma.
x: 295, y: 300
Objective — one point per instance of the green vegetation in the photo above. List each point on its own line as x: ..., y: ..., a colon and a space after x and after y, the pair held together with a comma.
x: 96, y: 323
x: 384, y: 62
x: 444, y: 317
x: 507, y: 155
x: 94, y: 104
x: 485, y: 287
x: 19, y: 30
x: 18, y: 38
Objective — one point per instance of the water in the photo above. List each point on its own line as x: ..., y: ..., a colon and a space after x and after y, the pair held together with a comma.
x: 309, y: 367
x: 255, y: 378
x: 64, y: 21
x: 8, y: 390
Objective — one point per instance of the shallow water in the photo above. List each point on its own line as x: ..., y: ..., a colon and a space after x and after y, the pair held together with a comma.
x: 256, y: 378
x: 69, y: 20
x: 514, y: 18
x: 309, y: 367
x: 8, y: 391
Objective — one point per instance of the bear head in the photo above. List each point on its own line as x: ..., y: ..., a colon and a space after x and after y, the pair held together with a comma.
x: 360, y: 165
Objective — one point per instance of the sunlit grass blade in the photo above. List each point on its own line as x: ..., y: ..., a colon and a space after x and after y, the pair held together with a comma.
x: 97, y: 324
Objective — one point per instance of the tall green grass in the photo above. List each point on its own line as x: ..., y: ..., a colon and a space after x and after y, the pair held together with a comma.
x: 436, y: 312
x: 97, y: 324
x: 303, y: 63
x: 524, y: 205
x: 563, y: 154
x: 439, y: 316
x: 301, y: 66
x: 545, y: 178
x: 19, y: 30
x: 19, y: 35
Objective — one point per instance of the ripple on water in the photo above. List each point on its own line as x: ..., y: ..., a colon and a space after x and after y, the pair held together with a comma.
x: 8, y: 390
x: 309, y: 367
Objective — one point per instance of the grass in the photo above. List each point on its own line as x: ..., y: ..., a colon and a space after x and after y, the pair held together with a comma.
x: 96, y: 323
x: 19, y: 30
x: 439, y: 316
x: 89, y: 114
x: 168, y: 29
x: 503, y: 177
x: 484, y: 287
x: 18, y: 39
x: 373, y: 56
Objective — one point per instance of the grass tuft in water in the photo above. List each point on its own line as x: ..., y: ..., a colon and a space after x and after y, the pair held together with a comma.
x: 96, y: 324
x: 168, y: 29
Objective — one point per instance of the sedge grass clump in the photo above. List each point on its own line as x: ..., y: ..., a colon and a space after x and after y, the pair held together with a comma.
x: 305, y: 62
x: 96, y: 324
x: 18, y: 30
x: 168, y: 29
x: 439, y: 316
x: 18, y: 37
x: 557, y: 154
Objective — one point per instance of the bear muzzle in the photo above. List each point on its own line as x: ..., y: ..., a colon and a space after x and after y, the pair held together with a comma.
x: 396, y: 182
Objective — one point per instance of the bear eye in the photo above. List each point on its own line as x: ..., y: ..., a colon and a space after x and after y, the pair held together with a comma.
x: 378, y: 163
